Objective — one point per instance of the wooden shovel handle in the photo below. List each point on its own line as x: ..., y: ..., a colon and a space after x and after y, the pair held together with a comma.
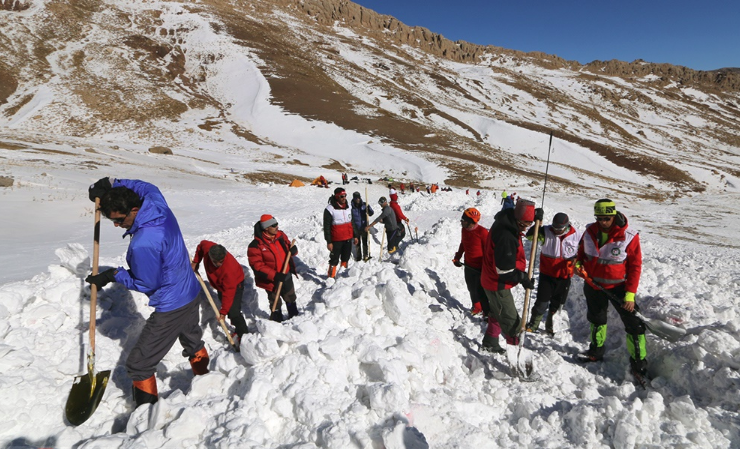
x: 215, y: 309
x: 93, y: 287
x: 284, y: 270
x: 532, y: 255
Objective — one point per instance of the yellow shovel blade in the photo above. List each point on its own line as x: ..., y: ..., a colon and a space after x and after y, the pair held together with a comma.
x: 86, y: 393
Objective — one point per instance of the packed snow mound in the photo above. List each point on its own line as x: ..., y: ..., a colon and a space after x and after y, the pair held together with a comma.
x: 385, y: 354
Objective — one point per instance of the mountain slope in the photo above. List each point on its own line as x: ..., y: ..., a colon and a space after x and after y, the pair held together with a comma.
x: 134, y: 73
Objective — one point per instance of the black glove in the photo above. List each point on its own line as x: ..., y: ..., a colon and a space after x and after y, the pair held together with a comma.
x: 281, y: 277
x: 457, y: 263
x: 524, y: 280
x: 539, y: 214
x: 100, y: 280
x: 98, y: 189
x: 294, y: 250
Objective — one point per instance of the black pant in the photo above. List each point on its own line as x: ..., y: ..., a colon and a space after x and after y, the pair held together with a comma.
x: 550, y: 291
x: 598, y: 306
x: 159, y: 335
x: 342, y: 250
x: 362, y: 246
x: 395, y: 237
x: 235, y: 312
x: 287, y: 292
x: 477, y: 292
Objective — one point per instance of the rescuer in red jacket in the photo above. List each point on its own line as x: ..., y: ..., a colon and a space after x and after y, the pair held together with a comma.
x: 226, y: 275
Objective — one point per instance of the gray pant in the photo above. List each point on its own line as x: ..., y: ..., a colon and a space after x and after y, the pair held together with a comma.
x: 159, y: 335
x: 503, y: 309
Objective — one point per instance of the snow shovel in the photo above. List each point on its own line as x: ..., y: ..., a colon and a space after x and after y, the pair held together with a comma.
x: 87, y: 390
x: 524, y: 362
x: 284, y: 270
x: 659, y: 328
x: 216, y: 311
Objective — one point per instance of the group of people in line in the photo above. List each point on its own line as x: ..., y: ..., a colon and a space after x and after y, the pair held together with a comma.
x: 607, y: 255
x: 160, y: 267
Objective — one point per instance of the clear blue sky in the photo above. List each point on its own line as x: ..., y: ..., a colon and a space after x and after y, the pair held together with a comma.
x: 702, y: 35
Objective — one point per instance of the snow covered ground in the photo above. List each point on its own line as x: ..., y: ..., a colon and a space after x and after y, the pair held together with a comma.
x: 386, y: 355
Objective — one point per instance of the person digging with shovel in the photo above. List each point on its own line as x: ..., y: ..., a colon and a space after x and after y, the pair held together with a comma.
x: 609, y: 254
x: 227, y: 277
x: 267, y: 254
x: 504, y: 267
x: 159, y: 267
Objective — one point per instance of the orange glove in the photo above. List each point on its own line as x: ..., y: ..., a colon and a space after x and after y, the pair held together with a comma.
x: 580, y: 271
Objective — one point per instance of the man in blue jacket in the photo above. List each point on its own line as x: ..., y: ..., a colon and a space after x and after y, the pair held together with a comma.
x: 159, y: 266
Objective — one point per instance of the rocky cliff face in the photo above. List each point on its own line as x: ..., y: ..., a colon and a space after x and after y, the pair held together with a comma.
x: 383, y: 27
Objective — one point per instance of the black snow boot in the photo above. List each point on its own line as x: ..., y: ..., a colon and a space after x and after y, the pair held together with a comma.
x: 292, y: 309
x: 277, y: 316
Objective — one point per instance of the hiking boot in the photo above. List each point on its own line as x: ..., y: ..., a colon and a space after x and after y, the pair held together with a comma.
x: 491, y: 344
x: 549, y: 332
x: 392, y: 250
x: 534, y: 323
x: 199, y: 362
x: 477, y: 309
x: 343, y: 265
x: 332, y: 271
x: 292, y: 309
x: 277, y: 316
x: 236, y: 339
x: 367, y: 258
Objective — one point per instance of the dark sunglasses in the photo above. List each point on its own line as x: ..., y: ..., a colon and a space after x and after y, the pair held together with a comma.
x: 273, y: 226
x: 120, y: 220
x: 604, y: 219
x: 342, y: 196
x: 525, y: 224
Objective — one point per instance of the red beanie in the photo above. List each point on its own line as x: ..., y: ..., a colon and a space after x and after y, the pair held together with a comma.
x: 267, y: 220
x: 524, y: 210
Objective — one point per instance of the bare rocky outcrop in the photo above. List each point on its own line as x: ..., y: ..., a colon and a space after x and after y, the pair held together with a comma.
x: 384, y: 27
x: 160, y: 150
x: 6, y: 181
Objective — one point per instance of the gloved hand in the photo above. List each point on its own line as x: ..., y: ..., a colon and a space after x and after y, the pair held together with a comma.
x: 407, y: 221
x: 98, y: 189
x: 294, y: 250
x: 456, y: 263
x: 281, y: 277
x: 539, y: 214
x: 100, y: 280
x: 578, y: 268
x: 525, y: 281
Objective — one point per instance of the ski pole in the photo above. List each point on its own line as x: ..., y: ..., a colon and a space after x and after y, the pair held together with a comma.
x: 547, y: 168
x: 367, y: 220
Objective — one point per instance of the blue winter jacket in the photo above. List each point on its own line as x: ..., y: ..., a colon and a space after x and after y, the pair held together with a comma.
x: 158, y: 259
x: 359, y: 219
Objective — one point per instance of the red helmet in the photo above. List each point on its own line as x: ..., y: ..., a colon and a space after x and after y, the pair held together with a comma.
x: 472, y: 213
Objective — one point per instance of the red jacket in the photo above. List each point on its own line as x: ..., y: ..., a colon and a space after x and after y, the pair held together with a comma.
x: 618, y: 261
x: 397, y: 210
x: 471, y: 244
x: 225, y: 278
x: 558, y: 252
x: 266, y: 257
